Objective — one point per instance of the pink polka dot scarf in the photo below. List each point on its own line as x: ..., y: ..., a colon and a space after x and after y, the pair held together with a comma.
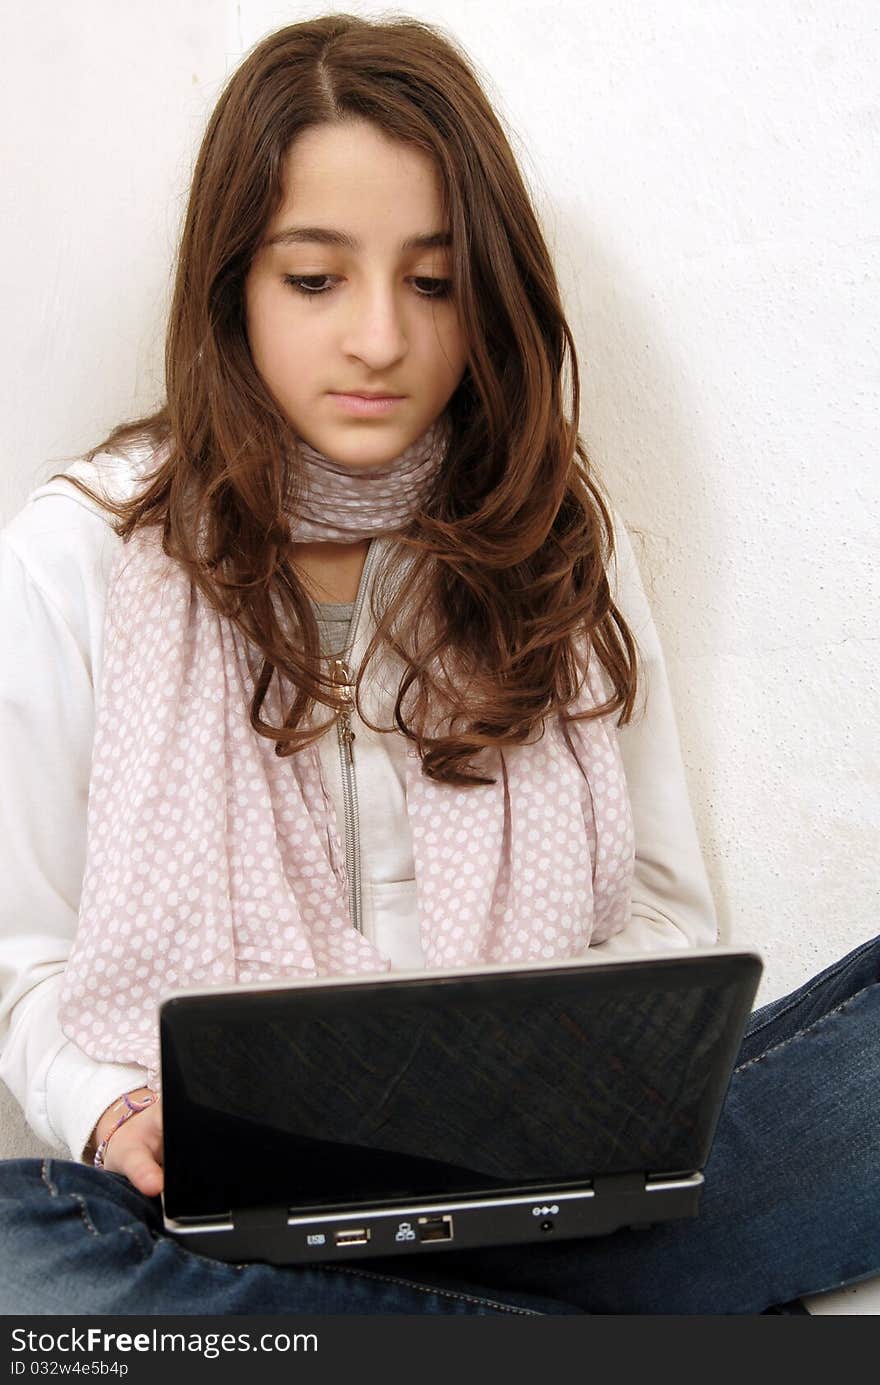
x: 211, y: 860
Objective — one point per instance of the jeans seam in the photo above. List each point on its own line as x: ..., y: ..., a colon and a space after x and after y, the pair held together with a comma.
x: 796, y: 999
x: 44, y: 1175
x: 84, y: 1214
x: 807, y: 1030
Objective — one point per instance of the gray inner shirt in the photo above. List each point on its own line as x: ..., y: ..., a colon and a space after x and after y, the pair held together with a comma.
x: 334, y: 621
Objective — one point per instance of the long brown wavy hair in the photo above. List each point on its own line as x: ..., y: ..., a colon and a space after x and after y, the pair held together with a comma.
x: 507, y: 584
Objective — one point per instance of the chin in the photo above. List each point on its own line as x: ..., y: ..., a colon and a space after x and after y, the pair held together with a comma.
x: 364, y: 447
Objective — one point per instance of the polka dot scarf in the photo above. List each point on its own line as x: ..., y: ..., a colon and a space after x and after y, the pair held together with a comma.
x: 339, y: 505
x: 211, y: 860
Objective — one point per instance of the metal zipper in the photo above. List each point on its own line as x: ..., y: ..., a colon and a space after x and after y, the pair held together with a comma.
x: 344, y: 678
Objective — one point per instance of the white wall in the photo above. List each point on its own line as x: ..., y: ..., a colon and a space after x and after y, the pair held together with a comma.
x: 100, y: 108
x: 707, y: 173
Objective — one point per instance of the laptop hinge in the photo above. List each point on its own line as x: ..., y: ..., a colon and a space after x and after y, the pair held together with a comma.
x: 618, y: 1183
x: 259, y: 1218
x: 214, y: 1221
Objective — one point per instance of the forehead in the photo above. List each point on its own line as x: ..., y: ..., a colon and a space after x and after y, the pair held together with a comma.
x: 351, y: 176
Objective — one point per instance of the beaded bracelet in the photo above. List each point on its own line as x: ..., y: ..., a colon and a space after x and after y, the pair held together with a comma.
x: 132, y: 1108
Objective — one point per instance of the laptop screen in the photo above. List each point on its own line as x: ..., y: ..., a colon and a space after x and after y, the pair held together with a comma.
x: 370, y: 1092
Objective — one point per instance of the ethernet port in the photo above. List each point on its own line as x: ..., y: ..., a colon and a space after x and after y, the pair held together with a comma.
x: 435, y: 1228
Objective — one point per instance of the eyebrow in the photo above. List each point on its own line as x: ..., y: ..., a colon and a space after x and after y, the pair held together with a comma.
x: 323, y: 235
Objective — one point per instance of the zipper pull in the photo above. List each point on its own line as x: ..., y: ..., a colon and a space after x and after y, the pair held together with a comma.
x: 347, y: 736
x: 343, y: 678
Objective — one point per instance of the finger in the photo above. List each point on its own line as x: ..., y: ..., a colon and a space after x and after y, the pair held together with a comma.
x: 141, y: 1169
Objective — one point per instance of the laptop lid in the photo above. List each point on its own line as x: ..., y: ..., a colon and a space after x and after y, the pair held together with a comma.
x: 321, y: 1096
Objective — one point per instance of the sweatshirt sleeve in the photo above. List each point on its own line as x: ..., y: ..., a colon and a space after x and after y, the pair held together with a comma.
x: 672, y: 905
x: 46, y: 729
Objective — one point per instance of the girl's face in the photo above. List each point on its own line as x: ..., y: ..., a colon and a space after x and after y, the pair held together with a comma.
x: 349, y: 294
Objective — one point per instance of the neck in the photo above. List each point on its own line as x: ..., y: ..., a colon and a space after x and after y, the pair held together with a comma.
x: 330, y: 571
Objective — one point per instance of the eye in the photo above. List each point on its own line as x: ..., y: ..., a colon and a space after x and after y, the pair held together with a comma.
x: 312, y: 285
x: 436, y: 288
x: 308, y: 284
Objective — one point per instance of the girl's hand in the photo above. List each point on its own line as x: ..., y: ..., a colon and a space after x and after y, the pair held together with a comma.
x: 135, y: 1150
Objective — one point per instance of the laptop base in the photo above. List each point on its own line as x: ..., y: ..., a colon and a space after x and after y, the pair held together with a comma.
x: 278, y: 1237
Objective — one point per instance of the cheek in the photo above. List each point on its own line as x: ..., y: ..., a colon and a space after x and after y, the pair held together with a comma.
x: 275, y: 344
x: 259, y: 330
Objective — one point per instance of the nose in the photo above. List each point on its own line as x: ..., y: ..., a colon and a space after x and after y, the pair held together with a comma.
x: 375, y: 331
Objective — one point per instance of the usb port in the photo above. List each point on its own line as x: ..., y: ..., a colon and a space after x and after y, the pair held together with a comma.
x: 352, y: 1236
x: 435, y: 1228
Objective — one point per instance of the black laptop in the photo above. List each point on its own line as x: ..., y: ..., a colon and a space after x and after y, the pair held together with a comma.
x: 419, y: 1111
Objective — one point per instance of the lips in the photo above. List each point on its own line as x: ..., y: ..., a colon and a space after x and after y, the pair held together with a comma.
x: 367, y: 405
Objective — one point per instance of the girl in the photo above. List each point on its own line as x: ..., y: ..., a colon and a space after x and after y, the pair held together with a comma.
x: 344, y: 648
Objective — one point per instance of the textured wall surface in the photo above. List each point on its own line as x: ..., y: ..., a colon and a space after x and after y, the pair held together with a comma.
x: 101, y: 105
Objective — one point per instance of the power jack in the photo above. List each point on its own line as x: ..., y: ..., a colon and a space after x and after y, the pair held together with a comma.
x: 547, y: 1225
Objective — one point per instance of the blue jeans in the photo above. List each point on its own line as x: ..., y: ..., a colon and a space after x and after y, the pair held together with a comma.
x: 791, y: 1207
